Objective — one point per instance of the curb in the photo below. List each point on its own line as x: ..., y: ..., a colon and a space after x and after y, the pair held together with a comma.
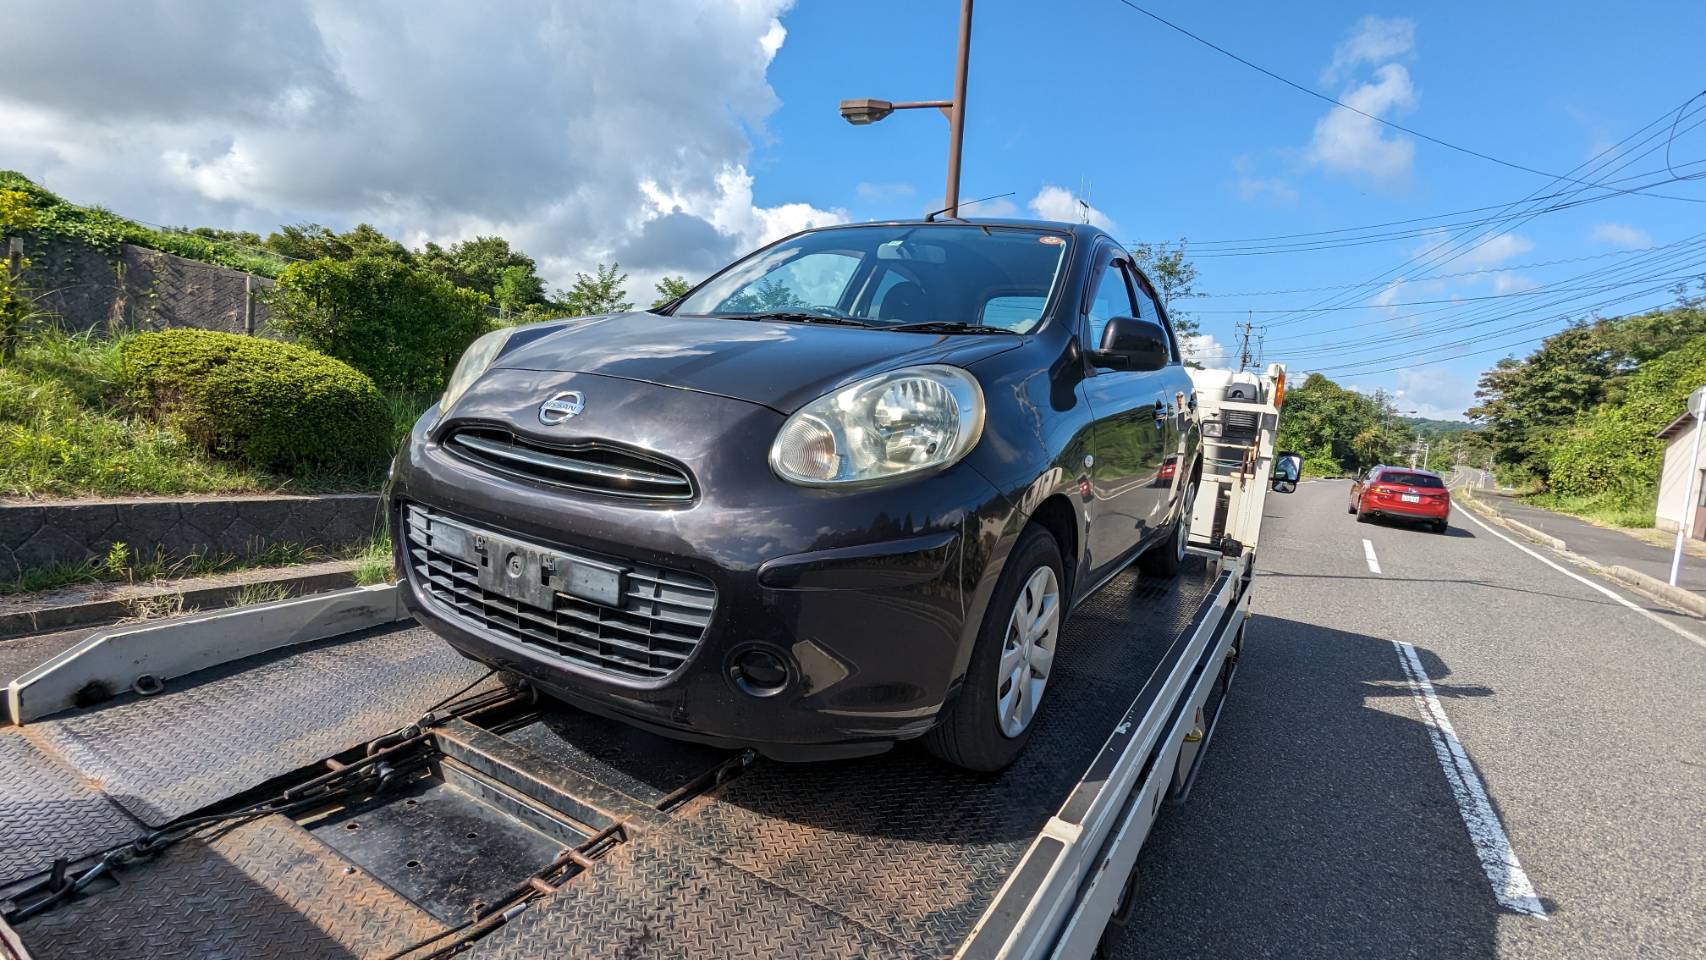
x: 144, y: 657
x: 1685, y: 600
x: 22, y: 623
x: 1490, y: 512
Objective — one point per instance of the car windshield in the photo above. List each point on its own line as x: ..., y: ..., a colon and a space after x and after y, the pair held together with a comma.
x: 1410, y: 479
x: 936, y: 276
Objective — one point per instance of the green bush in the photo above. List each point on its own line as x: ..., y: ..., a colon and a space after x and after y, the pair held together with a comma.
x: 1612, y: 455
x: 276, y: 406
x: 402, y: 326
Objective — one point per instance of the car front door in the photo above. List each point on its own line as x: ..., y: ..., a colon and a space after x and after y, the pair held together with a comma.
x: 1127, y: 440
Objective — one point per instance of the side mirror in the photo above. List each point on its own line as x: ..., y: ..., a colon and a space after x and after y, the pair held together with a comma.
x: 1132, y: 343
x: 1288, y: 469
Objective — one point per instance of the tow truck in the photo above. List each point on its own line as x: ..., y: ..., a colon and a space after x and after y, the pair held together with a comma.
x: 367, y: 793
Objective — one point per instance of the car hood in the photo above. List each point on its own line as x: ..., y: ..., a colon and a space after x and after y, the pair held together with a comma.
x: 780, y: 365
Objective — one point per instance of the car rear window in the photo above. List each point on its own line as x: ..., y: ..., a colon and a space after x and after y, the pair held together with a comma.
x: 1411, y: 479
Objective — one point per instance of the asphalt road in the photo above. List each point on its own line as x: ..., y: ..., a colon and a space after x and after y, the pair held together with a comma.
x: 1324, y: 825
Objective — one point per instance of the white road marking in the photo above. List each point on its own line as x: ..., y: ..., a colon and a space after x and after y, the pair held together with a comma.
x: 1511, y: 886
x: 1368, y: 554
x: 1688, y: 635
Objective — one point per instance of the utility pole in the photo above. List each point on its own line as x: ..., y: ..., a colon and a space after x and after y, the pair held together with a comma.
x: 957, y: 114
x: 1696, y: 404
x: 1244, y: 341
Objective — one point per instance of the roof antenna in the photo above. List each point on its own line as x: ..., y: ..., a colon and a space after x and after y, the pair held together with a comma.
x: 931, y: 217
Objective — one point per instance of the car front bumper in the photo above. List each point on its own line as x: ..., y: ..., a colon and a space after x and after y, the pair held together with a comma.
x: 870, y: 597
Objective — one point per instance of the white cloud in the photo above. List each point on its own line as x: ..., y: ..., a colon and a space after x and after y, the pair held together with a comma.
x: 1348, y: 142
x: 430, y: 120
x: 1388, y: 296
x: 1059, y: 203
x: 1204, y: 349
x: 1434, y: 393
x: 1512, y: 283
x: 1493, y: 252
x: 1622, y: 235
x: 1251, y: 186
x: 1372, y: 40
x: 993, y: 209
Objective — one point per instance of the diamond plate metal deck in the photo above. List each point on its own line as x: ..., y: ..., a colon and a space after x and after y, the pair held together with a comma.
x: 47, y: 810
x: 658, y: 897
x: 229, y: 729
x: 264, y: 889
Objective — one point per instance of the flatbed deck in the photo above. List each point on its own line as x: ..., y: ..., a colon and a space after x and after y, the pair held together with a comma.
x: 687, y: 850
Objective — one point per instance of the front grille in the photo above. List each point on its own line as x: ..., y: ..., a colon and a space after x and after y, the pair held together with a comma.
x: 598, y: 467
x: 661, y: 619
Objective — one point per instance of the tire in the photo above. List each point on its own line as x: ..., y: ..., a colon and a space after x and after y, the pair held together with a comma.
x: 1363, y: 517
x: 1353, y: 508
x: 974, y: 733
x: 1167, y: 557
x: 1440, y: 526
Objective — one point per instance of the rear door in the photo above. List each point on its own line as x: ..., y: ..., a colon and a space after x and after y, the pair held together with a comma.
x: 1127, y: 443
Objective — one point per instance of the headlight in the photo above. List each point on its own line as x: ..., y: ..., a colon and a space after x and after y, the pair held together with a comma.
x: 474, y: 362
x: 896, y: 423
x: 1211, y: 428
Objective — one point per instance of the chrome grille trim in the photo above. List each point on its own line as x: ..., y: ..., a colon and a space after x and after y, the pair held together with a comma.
x: 663, y: 617
x: 597, y: 467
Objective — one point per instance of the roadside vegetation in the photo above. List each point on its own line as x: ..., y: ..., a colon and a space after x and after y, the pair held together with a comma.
x: 1575, y: 423
x: 124, y: 563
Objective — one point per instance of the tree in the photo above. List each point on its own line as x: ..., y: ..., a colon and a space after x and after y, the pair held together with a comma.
x: 671, y: 288
x: 484, y: 263
x: 1339, y: 430
x: 1174, y: 278
x: 1525, y: 403
x: 311, y: 241
x: 600, y: 293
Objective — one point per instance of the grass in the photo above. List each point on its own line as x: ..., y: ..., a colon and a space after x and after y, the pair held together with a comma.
x: 66, y: 430
x: 1606, y: 510
x: 122, y: 564
x: 374, y: 564
x: 253, y: 593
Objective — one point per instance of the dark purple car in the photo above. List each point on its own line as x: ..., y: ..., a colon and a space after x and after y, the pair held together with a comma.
x: 842, y: 493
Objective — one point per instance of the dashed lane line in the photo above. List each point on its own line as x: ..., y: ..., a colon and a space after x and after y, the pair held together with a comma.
x: 1511, y: 887
x: 1368, y: 554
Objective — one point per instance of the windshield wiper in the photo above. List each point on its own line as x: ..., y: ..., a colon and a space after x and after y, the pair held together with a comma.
x: 795, y: 316
x: 947, y: 326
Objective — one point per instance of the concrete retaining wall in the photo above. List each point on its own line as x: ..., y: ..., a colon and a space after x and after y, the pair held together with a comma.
x: 34, y: 535
x: 134, y: 288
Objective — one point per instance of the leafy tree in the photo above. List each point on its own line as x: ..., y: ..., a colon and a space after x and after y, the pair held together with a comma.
x: 1339, y: 430
x: 671, y: 288
x: 1174, y: 278
x: 311, y: 241
x: 600, y: 293
x: 484, y: 263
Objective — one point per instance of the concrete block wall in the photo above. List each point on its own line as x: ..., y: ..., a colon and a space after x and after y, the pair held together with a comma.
x: 42, y: 534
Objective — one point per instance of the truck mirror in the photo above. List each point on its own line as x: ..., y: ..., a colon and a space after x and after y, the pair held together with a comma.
x: 1288, y: 469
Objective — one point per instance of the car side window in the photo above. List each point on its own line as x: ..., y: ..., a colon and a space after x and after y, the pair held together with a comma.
x: 1146, y: 302
x: 1111, y: 299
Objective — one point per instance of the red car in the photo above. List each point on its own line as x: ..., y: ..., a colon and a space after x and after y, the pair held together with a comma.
x: 1402, y: 494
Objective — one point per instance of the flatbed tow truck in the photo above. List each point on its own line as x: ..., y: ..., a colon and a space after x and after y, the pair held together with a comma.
x: 373, y: 795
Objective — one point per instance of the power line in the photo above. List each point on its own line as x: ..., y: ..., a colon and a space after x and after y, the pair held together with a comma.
x: 1535, y: 292
x: 1339, y: 103
x: 1438, y: 276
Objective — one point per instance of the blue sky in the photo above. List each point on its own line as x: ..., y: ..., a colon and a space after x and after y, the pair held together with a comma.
x: 672, y: 135
x: 1174, y: 140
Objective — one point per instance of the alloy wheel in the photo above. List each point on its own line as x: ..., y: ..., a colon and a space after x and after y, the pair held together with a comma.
x: 1027, y: 651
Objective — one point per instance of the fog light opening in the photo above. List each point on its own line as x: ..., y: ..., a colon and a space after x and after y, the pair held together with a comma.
x: 758, y: 672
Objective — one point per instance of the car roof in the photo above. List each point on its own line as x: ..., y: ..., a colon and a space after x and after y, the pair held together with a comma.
x: 1080, y: 230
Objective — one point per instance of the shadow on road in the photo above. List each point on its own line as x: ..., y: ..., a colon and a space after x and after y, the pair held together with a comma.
x: 1322, y: 825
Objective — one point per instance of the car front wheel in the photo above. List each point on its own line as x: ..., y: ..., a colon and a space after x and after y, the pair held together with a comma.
x: 988, y: 724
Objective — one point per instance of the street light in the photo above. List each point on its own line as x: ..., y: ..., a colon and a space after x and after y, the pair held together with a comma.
x: 868, y: 110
